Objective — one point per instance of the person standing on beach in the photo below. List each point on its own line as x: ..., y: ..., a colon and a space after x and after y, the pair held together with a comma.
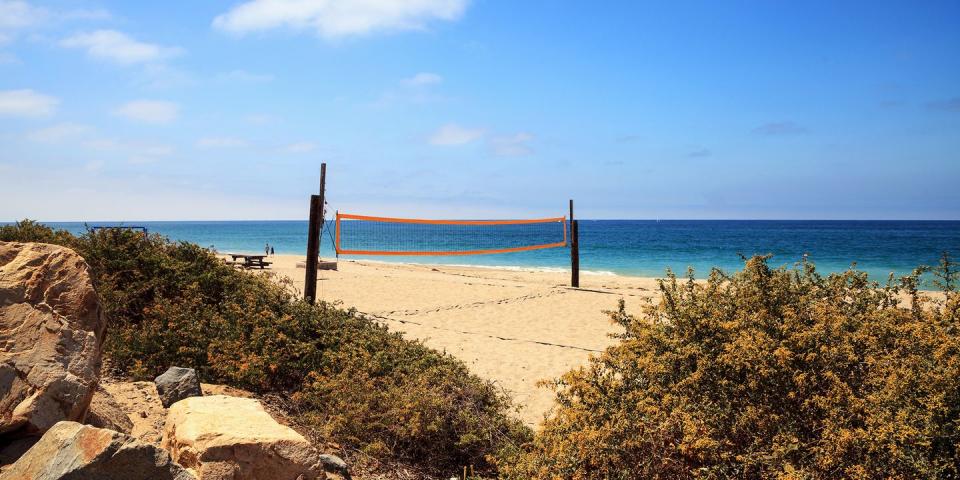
x: 266, y: 248
x: 271, y: 251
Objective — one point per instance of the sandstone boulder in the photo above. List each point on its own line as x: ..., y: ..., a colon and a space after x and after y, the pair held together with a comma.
x: 70, y: 450
x: 105, y: 412
x: 51, y: 328
x: 230, y: 438
x: 176, y: 384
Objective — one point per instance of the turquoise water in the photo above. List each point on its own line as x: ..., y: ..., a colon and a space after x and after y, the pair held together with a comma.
x: 633, y: 247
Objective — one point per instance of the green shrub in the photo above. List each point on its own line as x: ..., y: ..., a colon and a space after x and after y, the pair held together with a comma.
x: 350, y: 378
x: 765, y: 374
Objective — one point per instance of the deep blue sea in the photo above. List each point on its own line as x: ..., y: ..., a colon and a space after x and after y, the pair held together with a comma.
x: 632, y: 247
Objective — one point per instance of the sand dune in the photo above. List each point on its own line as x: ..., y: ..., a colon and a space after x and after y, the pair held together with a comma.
x: 513, y: 327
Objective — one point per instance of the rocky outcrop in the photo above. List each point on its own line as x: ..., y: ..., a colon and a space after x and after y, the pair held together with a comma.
x: 105, y: 412
x: 229, y: 438
x: 70, y: 450
x: 176, y: 384
x: 51, y: 328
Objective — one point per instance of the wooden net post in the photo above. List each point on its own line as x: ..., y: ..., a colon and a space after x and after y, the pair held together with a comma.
x: 574, y: 251
x: 313, y: 239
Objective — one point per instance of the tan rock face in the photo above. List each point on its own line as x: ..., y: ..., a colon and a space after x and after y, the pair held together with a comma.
x: 51, y: 328
x: 230, y: 438
x: 70, y: 450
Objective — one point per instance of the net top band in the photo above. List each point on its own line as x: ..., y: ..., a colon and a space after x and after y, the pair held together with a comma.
x: 422, y: 221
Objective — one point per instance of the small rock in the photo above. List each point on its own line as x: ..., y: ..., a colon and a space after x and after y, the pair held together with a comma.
x: 336, y: 465
x: 70, y: 450
x: 105, y: 412
x: 176, y: 384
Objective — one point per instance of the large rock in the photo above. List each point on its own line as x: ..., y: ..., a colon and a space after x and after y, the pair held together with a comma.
x: 105, y: 412
x: 176, y: 384
x: 71, y: 451
x: 51, y: 327
x: 230, y: 438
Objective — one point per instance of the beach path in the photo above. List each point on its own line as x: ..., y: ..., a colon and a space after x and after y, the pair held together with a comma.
x: 510, y: 326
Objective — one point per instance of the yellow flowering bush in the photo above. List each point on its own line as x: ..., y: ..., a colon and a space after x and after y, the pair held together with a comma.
x: 766, y: 373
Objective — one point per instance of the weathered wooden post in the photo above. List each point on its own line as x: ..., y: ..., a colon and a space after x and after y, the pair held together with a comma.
x: 574, y: 251
x: 313, y: 239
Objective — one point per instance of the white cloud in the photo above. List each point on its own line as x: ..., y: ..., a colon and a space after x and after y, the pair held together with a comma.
x: 119, y: 47
x: 423, y: 79
x: 338, y: 18
x: 26, y: 103
x: 58, y: 133
x: 299, y: 147
x: 514, y: 145
x: 17, y: 14
x: 453, y: 134
x: 221, y: 142
x: 149, y: 111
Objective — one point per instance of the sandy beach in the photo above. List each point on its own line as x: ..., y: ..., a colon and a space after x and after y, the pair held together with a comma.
x: 514, y: 327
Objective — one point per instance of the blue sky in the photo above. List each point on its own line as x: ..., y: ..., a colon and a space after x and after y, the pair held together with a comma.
x: 480, y: 109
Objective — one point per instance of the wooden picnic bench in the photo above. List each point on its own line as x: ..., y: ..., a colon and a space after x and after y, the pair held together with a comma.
x: 249, y: 261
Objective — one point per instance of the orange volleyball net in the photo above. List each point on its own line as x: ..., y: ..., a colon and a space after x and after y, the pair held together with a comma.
x: 366, y: 235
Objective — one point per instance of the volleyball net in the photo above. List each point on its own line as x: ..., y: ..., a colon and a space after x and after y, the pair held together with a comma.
x: 366, y: 235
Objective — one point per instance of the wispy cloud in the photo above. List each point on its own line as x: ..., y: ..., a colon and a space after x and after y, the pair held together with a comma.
x: 26, y: 103
x: 94, y: 165
x: 299, y: 147
x: 221, y: 142
x: 947, y: 105
x: 16, y: 15
x: 337, y: 18
x: 700, y: 153
x: 780, y: 128
x: 137, y: 152
x: 423, y: 79
x: 119, y: 47
x: 515, y: 145
x: 58, y: 133
x: 149, y: 111
x: 418, y: 89
x: 453, y: 134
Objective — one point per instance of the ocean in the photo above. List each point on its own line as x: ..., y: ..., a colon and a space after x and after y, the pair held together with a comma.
x: 633, y: 247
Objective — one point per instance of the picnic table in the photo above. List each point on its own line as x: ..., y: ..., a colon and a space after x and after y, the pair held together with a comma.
x: 250, y: 261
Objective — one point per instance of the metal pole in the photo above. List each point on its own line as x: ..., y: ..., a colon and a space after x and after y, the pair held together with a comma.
x: 313, y: 239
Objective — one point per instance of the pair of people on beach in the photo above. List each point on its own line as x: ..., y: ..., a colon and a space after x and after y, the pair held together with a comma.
x: 267, y: 249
